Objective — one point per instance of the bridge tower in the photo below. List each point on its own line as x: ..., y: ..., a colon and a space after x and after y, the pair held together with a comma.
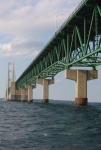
x: 10, y: 82
x: 6, y: 97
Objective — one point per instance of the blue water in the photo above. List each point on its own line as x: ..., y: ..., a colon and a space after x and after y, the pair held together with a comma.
x: 53, y: 126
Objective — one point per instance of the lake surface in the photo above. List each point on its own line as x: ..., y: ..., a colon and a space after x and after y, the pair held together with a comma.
x: 58, y: 125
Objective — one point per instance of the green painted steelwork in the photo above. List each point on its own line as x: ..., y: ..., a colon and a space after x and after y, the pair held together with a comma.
x: 76, y: 44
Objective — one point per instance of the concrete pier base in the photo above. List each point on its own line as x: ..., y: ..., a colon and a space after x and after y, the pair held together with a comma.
x: 81, y: 101
x: 45, y: 88
x: 45, y: 100
x: 81, y: 77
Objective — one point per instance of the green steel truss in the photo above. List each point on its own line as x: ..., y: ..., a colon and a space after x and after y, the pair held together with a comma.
x: 76, y: 44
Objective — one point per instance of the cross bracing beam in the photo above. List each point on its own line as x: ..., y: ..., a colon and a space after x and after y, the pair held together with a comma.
x: 76, y: 43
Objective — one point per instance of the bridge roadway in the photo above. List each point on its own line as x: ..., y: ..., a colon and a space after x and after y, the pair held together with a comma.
x: 77, y: 43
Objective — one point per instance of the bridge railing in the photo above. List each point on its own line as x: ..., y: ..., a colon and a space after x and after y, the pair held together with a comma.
x: 62, y: 26
x: 71, y: 15
x: 67, y: 20
x: 56, y: 33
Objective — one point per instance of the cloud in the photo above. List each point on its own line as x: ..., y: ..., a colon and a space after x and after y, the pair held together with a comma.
x: 28, y: 25
x: 17, y: 49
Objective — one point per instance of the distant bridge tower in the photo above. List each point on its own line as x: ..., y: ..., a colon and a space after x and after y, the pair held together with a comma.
x: 6, y: 97
x: 11, y: 78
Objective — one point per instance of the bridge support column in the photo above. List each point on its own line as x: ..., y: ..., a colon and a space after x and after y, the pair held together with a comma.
x: 12, y: 91
x: 30, y: 94
x: 45, y: 88
x: 81, y: 77
x: 18, y: 95
x: 23, y: 94
x: 81, y: 88
x: 45, y: 91
x: 27, y: 94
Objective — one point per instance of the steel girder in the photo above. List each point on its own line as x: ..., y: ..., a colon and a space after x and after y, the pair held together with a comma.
x: 76, y: 43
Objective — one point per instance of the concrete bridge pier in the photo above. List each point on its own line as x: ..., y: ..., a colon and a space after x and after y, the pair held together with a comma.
x: 81, y: 77
x: 27, y: 94
x: 15, y: 94
x: 18, y: 95
x: 45, y: 88
x: 23, y: 94
x: 12, y: 91
x: 81, y: 88
x: 30, y: 93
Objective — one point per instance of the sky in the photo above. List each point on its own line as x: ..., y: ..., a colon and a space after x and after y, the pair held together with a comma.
x: 25, y: 28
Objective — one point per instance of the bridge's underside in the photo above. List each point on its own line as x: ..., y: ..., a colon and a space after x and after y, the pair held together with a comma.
x: 76, y: 43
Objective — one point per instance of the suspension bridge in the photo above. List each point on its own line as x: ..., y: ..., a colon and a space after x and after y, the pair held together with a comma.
x: 77, y: 43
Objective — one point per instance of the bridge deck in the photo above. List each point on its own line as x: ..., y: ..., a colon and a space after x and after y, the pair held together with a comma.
x: 70, y: 46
